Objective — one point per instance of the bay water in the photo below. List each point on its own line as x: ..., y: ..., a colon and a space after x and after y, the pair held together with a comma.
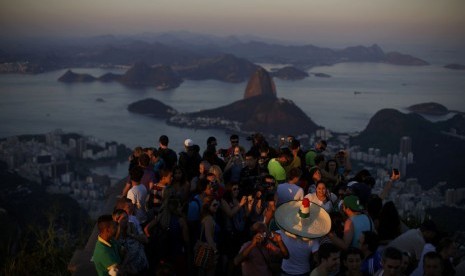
x: 345, y: 102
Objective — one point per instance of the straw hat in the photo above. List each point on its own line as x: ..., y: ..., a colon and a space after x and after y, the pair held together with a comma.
x: 294, y: 223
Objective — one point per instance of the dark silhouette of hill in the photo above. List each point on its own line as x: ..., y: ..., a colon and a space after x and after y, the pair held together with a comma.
x: 29, y: 215
x: 70, y: 77
x: 141, y: 75
x: 402, y: 59
x: 455, y: 66
x: 153, y: 108
x: 289, y: 73
x: 226, y: 68
x: 438, y: 154
x: 429, y: 109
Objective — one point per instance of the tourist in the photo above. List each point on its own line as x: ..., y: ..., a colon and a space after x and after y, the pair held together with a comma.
x: 107, y: 256
x: 255, y: 256
x: 352, y: 260
x: 329, y: 260
x: 323, y: 197
x: 319, y: 147
x: 276, y: 165
x: 168, y: 155
x: 355, y: 224
x: 138, y: 194
x: 210, y: 231
x: 189, y: 159
x: 391, y: 261
x: 290, y: 191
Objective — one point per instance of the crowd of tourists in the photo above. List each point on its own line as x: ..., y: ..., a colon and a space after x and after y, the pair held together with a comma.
x: 212, y: 212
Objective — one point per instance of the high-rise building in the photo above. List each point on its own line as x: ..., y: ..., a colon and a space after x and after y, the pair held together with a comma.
x: 405, y: 145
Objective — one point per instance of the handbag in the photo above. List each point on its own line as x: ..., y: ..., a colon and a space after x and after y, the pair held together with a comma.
x: 204, y: 255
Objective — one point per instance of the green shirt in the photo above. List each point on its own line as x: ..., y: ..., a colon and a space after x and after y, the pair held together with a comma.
x: 310, y: 158
x: 106, y: 255
x: 276, y: 170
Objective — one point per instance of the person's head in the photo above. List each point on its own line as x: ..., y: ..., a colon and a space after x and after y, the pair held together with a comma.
x: 321, y: 146
x: 315, y: 173
x: 137, y: 151
x: 294, y: 144
x: 432, y: 264
x: 234, y: 140
x: 144, y: 160
x: 231, y: 191
x: 119, y: 214
x: 368, y: 241
x: 188, y: 144
x: 285, y: 156
x: 211, y: 142
x: 351, y: 204
x: 294, y: 175
x: 446, y: 248
x: 178, y: 174
x: 163, y: 140
x: 135, y: 174
x: 106, y: 227
x: 321, y: 191
x: 209, y: 206
x: 428, y: 230
x: 352, y: 259
x: 166, y: 176
x: 216, y: 170
x: 331, y: 166
x: 391, y: 261
x: 125, y: 204
x: 204, y: 166
x: 250, y: 160
x: 329, y: 256
x: 155, y: 156
x: 320, y: 161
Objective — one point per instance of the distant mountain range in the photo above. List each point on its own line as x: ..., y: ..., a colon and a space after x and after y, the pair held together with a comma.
x: 181, y: 50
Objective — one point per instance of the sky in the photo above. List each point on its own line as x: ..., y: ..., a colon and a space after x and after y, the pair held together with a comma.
x: 321, y: 22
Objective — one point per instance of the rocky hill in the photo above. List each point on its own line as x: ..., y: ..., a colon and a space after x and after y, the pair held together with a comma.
x: 142, y: 75
x: 226, y: 68
x: 435, y: 146
x: 152, y: 108
x: 260, y: 110
x: 289, y: 73
x: 429, y: 109
x: 402, y: 59
x: 260, y: 83
x: 70, y: 77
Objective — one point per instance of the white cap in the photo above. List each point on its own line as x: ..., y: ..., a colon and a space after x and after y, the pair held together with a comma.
x: 188, y: 143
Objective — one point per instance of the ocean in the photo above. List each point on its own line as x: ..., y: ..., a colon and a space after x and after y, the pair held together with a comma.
x: 345, y: 102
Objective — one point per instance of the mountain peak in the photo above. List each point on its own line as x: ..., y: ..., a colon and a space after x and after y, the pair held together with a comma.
x: 260, y: 84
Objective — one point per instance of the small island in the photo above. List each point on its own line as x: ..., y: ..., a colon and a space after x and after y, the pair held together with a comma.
x: 433, y: 109
x: 152, y: 108
x: 321, y: 75
x: 289, y: 73
x: 455, y: 66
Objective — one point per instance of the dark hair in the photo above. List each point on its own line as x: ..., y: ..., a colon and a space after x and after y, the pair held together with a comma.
x: 432, y: 255
x: 286, y: 152
x: 371, y: 239
x: 389, y: 222
x: 164, y: 140
x: 323, y: 142
x: 210, y: 140
x: 326, y: 249
x: 103, y: 222
x: 319, y: 158
x: 119, y: 212
x: 428, y: 225
x: 234, y: 136
x: 352, y: 251
x: 294, y: 144
x: 294, y: 172
x: 144, y: 160
x: 444, y: 243
x: 136, y: 174
x: 392, y: 253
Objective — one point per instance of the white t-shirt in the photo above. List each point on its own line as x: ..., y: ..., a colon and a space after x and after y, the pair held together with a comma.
x: 287, y: 192
x: 299, y: 254
x: 328, y: 205
x: 138, y: 195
